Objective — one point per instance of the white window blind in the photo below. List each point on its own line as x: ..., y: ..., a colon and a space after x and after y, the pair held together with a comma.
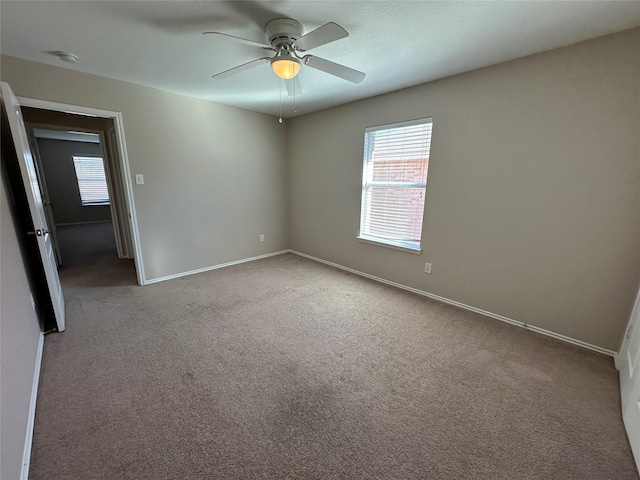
x: 396, y: 160
x: 92, y: 181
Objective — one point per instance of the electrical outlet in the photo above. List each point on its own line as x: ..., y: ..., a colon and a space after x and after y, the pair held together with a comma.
x: 262, y: 237
x: 427, y: 267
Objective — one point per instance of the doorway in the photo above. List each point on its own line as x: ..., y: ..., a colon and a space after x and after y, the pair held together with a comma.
x: 79, y: 196
x: 90, y: 210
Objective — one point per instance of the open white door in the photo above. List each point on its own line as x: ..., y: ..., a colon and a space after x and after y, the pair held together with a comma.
x: 629, y: 366
x: 34, y: 198
x: 46, y: 200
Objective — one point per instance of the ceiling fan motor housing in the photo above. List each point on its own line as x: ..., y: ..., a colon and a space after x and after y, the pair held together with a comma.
x: 283, y: 31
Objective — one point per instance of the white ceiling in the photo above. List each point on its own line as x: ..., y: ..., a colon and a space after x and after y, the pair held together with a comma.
x: 396, y: 43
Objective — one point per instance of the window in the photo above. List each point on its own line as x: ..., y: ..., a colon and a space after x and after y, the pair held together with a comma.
x: 92, y: 181
x: 394, y: 181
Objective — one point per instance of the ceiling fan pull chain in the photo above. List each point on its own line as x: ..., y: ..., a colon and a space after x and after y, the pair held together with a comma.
x: 280, y: 88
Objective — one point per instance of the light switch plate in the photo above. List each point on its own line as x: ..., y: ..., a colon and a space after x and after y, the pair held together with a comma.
x: 139, y: 179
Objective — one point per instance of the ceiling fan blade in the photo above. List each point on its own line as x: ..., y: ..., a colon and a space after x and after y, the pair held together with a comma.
x: 332, y: 68
x: 293, y: 86
x: 240, y: 68
x: 241, y: 40
x: 321, y: 35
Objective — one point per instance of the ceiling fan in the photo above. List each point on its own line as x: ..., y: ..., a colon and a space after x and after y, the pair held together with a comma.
x: 286, y: 39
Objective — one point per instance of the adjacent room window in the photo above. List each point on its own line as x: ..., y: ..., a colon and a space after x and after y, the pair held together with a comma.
x: 394, y: 181
x: 92, y: 181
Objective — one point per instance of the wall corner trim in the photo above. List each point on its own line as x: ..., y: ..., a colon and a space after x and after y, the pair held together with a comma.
x: 495, y: 316
x: 26, y: 456
x: 214, y: 267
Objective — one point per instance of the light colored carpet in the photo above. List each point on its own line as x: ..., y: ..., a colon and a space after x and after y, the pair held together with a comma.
x: 288, y: 369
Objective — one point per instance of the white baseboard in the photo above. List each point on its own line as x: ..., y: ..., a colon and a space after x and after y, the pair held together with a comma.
x: 502, y: 318
x: 213, y: 267
x: 26, y: 456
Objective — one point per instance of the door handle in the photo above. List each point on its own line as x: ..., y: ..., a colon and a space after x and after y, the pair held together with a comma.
x: 39, y: 232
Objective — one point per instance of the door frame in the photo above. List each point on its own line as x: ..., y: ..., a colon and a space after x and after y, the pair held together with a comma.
x: 116, y: 201
x: 124, y: 164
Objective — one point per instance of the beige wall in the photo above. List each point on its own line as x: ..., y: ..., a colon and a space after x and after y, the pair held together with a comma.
x: 62, y: 185
x: 532, y: 207
x: 214, y: 175
x: 19, y: 337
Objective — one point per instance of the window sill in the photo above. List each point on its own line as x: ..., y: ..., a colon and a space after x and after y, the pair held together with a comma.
x: 416, y: 251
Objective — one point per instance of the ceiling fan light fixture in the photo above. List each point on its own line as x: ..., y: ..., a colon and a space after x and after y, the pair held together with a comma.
x: 285, y: 66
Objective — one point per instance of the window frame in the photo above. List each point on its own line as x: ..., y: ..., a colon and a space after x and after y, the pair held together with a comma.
x: 106, y: 181
x: 402, y: 245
